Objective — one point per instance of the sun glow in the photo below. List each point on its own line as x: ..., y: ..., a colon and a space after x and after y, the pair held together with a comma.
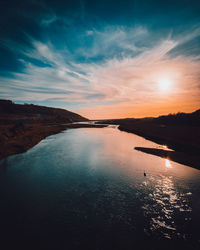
x: 165, y: 84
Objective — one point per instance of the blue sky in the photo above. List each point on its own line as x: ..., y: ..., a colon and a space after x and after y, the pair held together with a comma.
x: 101, y: 58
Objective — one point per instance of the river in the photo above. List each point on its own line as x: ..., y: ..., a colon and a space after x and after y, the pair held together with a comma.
x: 86, y: 187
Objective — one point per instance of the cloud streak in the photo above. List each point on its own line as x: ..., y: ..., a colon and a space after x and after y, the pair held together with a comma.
x: 120, y: 73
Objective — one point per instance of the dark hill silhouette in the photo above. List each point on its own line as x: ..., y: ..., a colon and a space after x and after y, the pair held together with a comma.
x: 34, y: 113
x: 180, y: 118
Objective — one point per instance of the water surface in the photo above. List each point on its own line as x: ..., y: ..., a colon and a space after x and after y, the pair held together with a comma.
x: 86, y: 187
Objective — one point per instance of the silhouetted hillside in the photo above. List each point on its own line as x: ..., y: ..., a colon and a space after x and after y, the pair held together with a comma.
x: 29, y: 113
x: 180, y: 118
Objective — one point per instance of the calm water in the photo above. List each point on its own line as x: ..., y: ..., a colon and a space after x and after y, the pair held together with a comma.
x: 86, y: 187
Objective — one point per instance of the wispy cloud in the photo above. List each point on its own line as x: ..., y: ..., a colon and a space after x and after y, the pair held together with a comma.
x: 127, y: 77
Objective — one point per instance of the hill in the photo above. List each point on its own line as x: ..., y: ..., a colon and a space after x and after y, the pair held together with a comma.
x: 29, y: 113
x: 23, y: 126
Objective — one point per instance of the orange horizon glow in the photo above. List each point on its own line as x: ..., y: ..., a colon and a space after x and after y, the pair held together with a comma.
x: 146, y: 86
x: 117, y: 112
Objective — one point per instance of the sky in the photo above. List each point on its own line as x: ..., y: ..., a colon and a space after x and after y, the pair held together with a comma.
x: 102, y: 59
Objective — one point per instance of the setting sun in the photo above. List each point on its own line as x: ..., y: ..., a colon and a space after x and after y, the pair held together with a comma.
x: 165, y: 84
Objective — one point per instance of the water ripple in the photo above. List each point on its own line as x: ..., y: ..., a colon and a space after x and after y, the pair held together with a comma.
x: 163, y: 205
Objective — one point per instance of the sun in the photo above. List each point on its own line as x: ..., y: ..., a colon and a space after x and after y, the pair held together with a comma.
x: 165, y: 84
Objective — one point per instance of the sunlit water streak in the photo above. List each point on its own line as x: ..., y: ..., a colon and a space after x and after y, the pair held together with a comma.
x: 168, y: 163
x: 90, y: 179
x: 162, y: 206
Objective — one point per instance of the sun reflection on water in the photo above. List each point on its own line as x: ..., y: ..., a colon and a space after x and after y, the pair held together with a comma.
x: 162, y: 204
x: 168, y: 164
x: 164, y: 147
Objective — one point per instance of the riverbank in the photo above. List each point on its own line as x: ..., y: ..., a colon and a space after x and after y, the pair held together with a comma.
x: 24, y: 125
x: 184, y: 140
x: 180, y: 132
x: 179, y: 157
x: 21, y: 138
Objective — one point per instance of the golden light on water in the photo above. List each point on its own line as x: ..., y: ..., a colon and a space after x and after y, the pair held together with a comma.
x: 168, y: 164
x: 165, y: 147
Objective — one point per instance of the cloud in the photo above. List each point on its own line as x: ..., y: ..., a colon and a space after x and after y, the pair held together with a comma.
x: 126, y: 78
x: 112, y: 42
x: 48, y: 20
